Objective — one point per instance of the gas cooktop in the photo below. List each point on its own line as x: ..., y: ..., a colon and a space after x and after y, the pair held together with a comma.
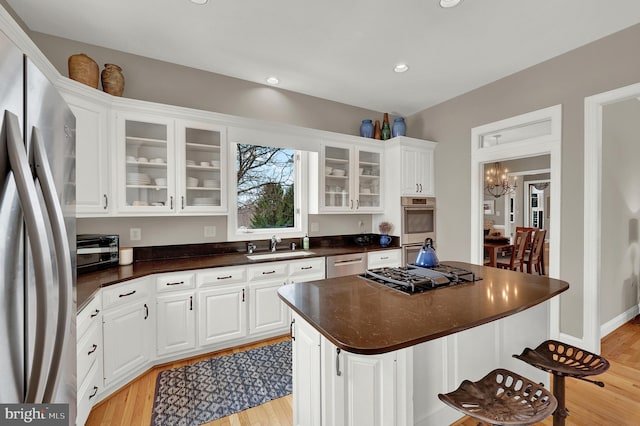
x: 415, y: 279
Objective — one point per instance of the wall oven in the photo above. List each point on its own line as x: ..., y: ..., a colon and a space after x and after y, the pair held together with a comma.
x: 418, y: 223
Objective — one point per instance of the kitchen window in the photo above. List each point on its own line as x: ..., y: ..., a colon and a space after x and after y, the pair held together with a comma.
x: 266, y: 199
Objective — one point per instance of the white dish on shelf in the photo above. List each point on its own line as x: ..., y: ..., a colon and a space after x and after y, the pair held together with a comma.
x: 327, y: 170
x: 157, y: 160
x: 161, y: 181
x: 204, y: 201
x: 140, y: 203
x: 131, y: 159
x: 215, y: 163
x: 143, y: 160
x: 205, y: 164
x: 192, y: 182
x: 338, y: 172
x: 191, y: 163
x: 211, y: 183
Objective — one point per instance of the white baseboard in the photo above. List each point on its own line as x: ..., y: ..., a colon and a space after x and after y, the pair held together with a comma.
x: 616, y: 322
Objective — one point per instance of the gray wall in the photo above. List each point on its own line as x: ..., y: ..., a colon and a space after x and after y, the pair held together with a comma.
x: 606, y: 64
x: 620, y: 250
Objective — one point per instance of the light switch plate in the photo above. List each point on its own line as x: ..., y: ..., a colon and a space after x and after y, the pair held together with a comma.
x: 209, y: 231
x: 135, y: 234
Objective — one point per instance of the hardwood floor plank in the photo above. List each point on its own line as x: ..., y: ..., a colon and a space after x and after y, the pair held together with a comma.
x: 618, y: 403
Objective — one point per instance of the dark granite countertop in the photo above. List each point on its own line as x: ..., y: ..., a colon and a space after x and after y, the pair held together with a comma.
x: 89, y: 283
x: 366, y: 318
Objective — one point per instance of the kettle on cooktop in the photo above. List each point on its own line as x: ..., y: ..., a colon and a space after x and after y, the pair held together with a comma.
x: 427, y: 257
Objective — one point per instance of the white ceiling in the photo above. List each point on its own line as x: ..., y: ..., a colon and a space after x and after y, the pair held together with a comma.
x: 340, y: 50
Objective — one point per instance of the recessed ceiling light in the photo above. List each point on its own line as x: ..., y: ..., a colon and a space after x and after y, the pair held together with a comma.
x: 273, y: 80
x: 449, y: 3
x: 199, y: 1
x: 401, y: 67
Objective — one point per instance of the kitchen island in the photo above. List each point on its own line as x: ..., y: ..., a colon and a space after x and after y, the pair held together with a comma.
x: 366, y: 354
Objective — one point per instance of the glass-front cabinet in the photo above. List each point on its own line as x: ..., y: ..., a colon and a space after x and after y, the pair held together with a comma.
x: 146, y: 178
x: 169, y: 166
x: 350, y: 179
x: 201, y: 174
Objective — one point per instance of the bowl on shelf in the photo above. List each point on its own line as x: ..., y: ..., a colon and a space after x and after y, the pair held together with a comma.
x: 192, y: 182
x: 205, y: 164
x: 157, y: 160
x: 328, y: 170
x: 131, y: 159
x: 191, y: 163
x: 161, y: 181
x: 143, y: 160
x: 338, y: 172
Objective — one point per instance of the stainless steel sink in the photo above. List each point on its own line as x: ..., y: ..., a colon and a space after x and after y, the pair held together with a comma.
x: 277, y: 255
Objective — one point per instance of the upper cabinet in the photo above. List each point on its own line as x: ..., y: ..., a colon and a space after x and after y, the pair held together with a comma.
x: 201, y: 175
x: 169, y: 166
x: 93, y: 161
x: 349, y: 179
x: 145, y: 163
x: 410, y: 166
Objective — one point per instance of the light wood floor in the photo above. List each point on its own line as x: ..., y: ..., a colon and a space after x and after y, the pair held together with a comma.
x: 617, y: 404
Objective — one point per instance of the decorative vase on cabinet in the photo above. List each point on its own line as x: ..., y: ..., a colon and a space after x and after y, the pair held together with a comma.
x: 112, y: 80
x: 366, y: 129
x: 399, y: 127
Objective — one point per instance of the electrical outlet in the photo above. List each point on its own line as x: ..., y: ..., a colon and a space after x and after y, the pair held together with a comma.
x: 135, y: 234
x: 315, y: 227
x: 209, y: 231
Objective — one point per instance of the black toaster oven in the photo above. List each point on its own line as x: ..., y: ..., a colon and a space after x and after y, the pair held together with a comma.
x: 97, y: 251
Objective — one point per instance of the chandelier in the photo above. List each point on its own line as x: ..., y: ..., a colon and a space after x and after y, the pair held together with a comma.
x: 497, y: 183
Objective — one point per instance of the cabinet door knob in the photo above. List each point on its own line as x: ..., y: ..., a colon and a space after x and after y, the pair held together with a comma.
x: 146, y: 311
x: 106, y: 201
x: 338, y: 372
x: 293, y: 321
x: 93, y: 349
x: 95, y: 313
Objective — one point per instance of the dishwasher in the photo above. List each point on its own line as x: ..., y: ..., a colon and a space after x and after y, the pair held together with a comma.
x: 346, y: 264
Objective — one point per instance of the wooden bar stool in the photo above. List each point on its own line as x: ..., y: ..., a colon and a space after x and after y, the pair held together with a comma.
x: 502, y: 397
x: 562, y: 361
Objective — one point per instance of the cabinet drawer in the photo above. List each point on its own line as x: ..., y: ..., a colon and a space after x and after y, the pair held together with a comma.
x: 268, y: 271
x: 89, y: 350
x: 221, y: 276
x: 89, y: 315
x: 307, y: 267
x: 384, y: 258
x: 124, y: 293
x: 173, y: 282
x: 88, y: 394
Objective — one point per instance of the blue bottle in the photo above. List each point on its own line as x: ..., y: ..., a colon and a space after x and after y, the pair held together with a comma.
x: 366, y: 129
x: 399, y: 127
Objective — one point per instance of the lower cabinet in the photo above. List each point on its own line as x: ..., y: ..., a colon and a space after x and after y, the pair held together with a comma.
x: 267, y: 312
x: 175, y: 313
x: 333, y: 387
x: 222, y: 314
x: 306, y: 374
x: 128, y: 326
x: 89, y: 357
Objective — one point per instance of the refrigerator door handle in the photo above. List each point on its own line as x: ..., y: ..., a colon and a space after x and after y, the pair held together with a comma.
x: 62, y: 254
x: 37, y: 234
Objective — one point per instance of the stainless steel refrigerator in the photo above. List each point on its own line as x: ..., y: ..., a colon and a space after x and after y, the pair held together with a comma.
x: 37, y: 237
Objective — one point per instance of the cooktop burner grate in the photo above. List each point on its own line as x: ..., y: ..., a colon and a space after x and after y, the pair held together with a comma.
x: 415, y: 279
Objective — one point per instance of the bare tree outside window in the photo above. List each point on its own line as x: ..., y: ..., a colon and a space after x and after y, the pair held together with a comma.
x: 266, y: 177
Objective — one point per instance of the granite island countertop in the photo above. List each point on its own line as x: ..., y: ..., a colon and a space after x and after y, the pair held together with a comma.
x: 366, y: 318
x: 88, y: 284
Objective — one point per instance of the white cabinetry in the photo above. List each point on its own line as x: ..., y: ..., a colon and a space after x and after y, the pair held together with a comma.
x: 176, y: 327
x: 127, y: 328
x: 306, y: 374
x: 266, y: 310
x: 145, y: 163
x: 222, y: 307
x: 410, y: 166
x: 169, y: 166
x: 202, y: 167
x: 304, y: 270
x: 93, y: 161
x: 350, y: 179
x: 384, y: 258
x: 89, y: 357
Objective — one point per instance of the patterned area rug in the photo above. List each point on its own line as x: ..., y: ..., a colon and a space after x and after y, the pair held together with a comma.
x: 220, y: 386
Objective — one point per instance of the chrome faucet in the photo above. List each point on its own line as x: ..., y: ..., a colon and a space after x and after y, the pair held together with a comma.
x: 274, y: 241
x: 250, y: 247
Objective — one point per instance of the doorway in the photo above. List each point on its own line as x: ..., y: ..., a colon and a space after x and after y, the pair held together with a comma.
x: 528, y: 135
x: 596, y: 209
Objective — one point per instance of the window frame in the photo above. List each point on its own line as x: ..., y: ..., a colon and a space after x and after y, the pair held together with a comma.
x: 301, y: 210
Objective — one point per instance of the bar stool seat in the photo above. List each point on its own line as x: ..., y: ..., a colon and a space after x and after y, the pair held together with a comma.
x: 502, y: 397
x: 562, y: 361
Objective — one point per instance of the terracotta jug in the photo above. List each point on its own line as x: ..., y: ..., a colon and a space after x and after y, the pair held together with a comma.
x: 112, y: 80
x: 83, y: 69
